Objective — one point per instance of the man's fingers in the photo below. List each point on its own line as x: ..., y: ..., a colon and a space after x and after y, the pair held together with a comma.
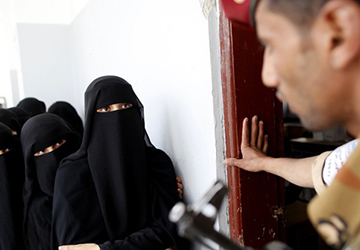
x: 245, y: 133
x: 232, y: 162
x: 254, y: 131
x: 266, y: 144
x: 260, y: 138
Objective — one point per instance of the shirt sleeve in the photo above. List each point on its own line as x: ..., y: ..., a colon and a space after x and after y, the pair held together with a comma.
x: 317, y: 170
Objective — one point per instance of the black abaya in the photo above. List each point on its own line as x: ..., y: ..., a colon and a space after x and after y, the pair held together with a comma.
x: 69, y: 114
x: 38, y: 133
x: 10, y: 119
x: 21, y: 114
x: 130, y: 185
x: 11, y: 183
x: 32, y: 106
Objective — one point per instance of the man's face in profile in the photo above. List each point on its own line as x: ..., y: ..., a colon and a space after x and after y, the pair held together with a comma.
x: 294, y: 66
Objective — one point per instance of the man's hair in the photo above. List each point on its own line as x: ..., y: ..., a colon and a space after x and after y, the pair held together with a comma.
x: 300, y: 12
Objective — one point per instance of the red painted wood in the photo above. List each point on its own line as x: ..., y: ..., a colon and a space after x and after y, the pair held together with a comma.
x: 231, y: 127
x: 253, y: 196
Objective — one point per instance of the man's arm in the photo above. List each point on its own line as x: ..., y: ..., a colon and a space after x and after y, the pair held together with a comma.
x: 254, y: 147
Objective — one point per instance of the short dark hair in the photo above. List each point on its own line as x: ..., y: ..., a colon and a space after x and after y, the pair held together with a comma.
x: 300, y: 12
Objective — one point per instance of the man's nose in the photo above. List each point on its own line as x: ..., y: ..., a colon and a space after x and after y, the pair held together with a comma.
x: 268, y: 74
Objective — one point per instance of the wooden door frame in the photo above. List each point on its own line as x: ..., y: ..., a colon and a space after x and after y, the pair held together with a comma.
x: 233, y: 139
x: 231, y: 125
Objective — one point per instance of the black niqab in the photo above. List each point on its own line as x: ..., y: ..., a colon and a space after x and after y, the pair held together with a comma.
x: 117, y: 160
x: 11, y: 183
x: 10, y: 119
x: 38, y: 133
x: 120, y: 159
x: 66, y: 111
x: 21, y: 114
x: 32, y: 106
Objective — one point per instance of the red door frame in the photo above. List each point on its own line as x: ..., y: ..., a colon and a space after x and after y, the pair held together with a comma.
x: 254, y: 199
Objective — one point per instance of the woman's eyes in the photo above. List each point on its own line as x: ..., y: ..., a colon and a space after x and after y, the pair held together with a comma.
x: 126, y: 105
x: 103, y: 110
x: 50, y: 148
x: 4, y: 151
x: 114, y: 107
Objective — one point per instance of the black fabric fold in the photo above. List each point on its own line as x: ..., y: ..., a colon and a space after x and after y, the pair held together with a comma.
x: 32, y: 106
x: 21, y: 114
x: 11, y: 184
x: 66, y: 111
x: 10, y: 119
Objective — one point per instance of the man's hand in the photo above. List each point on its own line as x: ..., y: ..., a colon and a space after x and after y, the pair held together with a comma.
x: 89, y: 246
x: 253, y: 148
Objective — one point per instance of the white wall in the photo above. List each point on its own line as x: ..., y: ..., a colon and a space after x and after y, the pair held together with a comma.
x: 46, y: 62
x: 45, y: 11
x: 5, y: 80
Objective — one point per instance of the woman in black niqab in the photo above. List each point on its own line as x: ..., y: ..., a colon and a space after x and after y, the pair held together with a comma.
x: 11, y: 184
x: 46, y: 139
x: 66, y: 111
x: 134, y: 183
x: 21, y: 114
x: 10, y: 119
x: 32, y: 106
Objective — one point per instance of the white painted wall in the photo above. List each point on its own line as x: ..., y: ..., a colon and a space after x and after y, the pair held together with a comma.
x: 47, y: 11
x: 5, y: 85
x: 45, y: 53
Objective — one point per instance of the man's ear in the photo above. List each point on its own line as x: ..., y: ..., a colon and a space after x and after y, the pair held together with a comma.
x: 338, y: 26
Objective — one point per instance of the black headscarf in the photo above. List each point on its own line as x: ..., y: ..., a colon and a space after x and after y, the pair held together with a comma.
x: 38, y: 133
x: 32, y: 106
x: 21, y: 114
x: 10, y: 119
x: 69, y: 114
x: 135, y: 183
x: 11, y: 183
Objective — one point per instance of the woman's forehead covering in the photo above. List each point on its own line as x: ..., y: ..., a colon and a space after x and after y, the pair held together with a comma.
x: 7, y: 139
x: 43, y: 130
x: 109, y: 90
x: 10, y: 119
